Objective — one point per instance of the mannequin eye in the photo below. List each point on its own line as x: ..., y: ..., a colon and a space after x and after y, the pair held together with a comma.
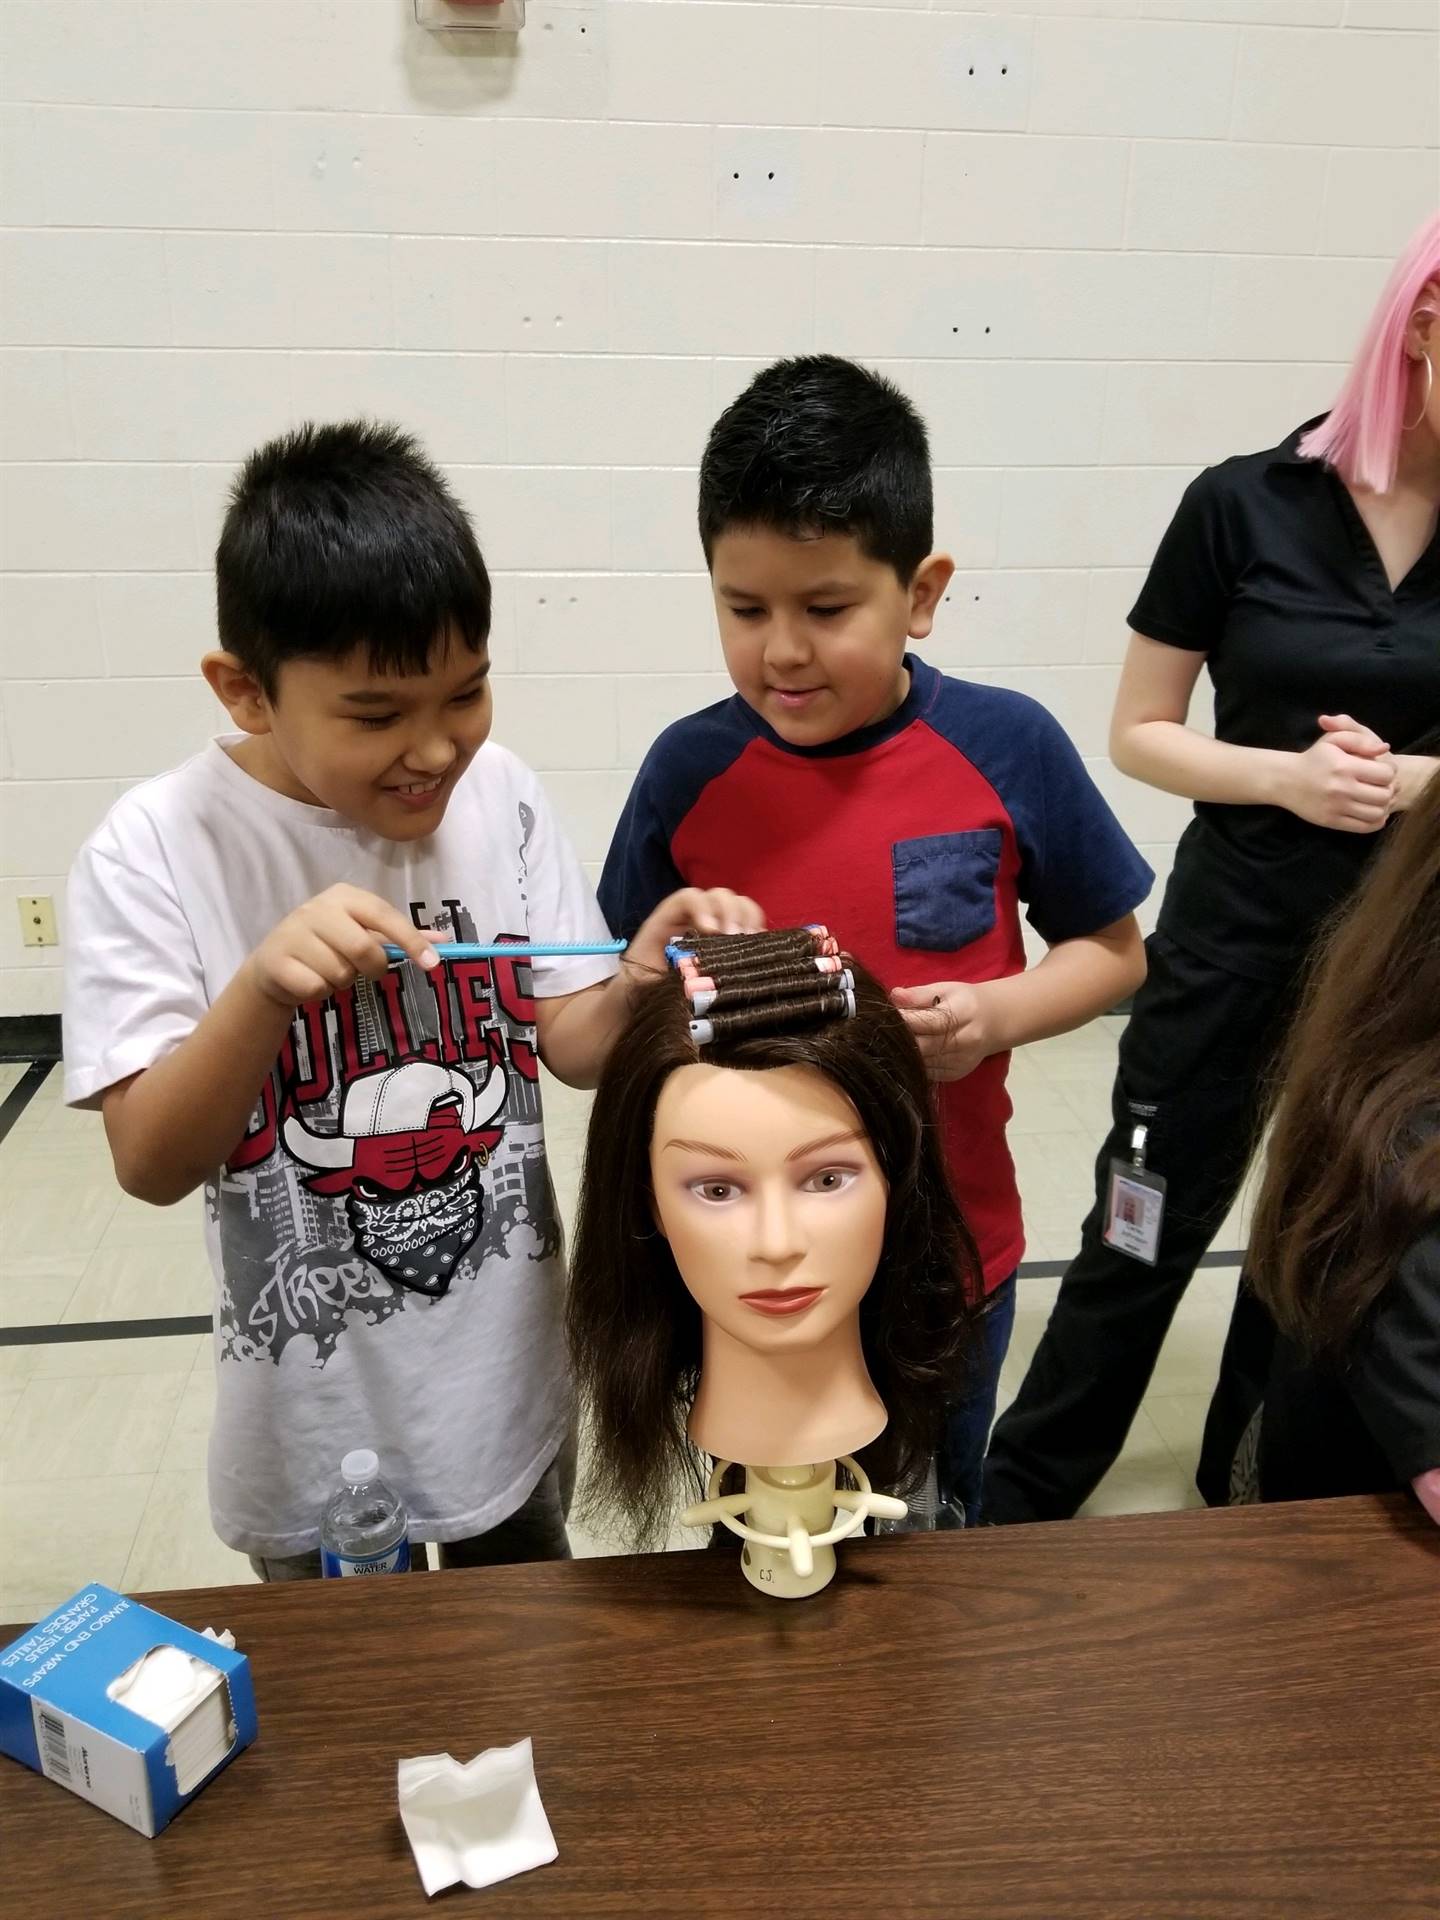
x: 830, y: 1180
x: 716, y: 1192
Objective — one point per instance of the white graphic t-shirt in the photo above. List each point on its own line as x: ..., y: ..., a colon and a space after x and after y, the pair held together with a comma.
x: 384, y: 1238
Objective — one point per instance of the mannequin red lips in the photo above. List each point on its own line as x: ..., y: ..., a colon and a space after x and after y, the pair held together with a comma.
x: 778, y: 1301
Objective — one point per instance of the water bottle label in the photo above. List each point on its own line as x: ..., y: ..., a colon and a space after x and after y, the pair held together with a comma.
x: 340, y: 1566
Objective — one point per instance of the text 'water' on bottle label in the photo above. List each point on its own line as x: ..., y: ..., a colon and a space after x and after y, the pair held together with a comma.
x: 340, y: 1566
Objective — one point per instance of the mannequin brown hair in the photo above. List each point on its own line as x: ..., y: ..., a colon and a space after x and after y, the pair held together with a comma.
x: 1353, y: 1172
x: 635, y: 1332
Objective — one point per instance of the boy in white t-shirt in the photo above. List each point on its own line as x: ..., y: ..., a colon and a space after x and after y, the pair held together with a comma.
x: 378, y: 1210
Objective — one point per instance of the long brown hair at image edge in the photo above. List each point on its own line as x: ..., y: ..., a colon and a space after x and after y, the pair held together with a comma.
x: 1353, y: 1172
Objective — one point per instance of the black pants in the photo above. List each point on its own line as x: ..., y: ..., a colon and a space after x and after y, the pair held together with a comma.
x: 1192, y: 1064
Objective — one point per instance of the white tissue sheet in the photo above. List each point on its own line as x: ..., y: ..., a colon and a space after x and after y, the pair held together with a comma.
x: 164, y: 1685
x: 478, y: 1823
x: 184, y: 1695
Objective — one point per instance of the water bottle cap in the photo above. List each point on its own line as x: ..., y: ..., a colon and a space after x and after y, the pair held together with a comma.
x: 359, y: 1466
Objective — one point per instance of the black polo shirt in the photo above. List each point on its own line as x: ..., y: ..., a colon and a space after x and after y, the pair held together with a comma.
x: 1370, y: 1422
x: 1268, y: 569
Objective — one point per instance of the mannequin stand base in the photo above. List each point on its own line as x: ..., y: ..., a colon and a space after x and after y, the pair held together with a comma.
x: 782, y: 1500
x: 790, y: 1519
x: 769, y: 1571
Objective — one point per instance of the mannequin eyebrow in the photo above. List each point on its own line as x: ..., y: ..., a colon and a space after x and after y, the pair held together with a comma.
x: 830, y: 1140
x: 797, y: 1153
x: 706, y: 1146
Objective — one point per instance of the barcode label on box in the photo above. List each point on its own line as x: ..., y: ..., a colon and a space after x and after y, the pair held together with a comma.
x: 92, y: 1764
x: 54, y: 1745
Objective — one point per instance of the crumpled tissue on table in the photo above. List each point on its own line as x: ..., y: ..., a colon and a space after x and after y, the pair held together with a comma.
x: 478, y: 1823
x: 184, y: 1695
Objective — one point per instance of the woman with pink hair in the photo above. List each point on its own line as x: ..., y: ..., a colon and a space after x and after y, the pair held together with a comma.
x: 1307, y: 580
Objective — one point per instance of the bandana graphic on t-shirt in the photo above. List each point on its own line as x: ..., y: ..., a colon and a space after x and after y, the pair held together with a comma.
x: 397, y: 1145
x: 407, y: 1156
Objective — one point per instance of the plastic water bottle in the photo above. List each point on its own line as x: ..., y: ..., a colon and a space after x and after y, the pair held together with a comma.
x: 364, y: 1528
x: 930, y: 1512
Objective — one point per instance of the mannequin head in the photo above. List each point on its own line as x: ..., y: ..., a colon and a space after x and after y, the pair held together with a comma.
x: 721, y: 1179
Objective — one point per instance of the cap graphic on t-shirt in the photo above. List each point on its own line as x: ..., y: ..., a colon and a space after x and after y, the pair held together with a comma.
x: 407, y: 1155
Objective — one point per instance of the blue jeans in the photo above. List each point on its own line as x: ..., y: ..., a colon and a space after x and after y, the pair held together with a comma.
x: 968, y: 1423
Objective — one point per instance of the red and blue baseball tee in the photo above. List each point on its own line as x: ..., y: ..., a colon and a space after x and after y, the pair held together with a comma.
x: 916, y: 840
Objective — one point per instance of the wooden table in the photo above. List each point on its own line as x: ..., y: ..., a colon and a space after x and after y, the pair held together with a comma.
x: 1162, y: 1717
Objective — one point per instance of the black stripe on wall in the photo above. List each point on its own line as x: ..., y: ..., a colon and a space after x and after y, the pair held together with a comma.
x: 57, y: 1335
x: 22, y: 1093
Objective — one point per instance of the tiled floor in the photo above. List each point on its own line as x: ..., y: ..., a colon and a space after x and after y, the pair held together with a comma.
x: 102, y: 1442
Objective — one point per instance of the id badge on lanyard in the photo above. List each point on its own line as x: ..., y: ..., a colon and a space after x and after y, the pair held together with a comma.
x: 1135, y: 1204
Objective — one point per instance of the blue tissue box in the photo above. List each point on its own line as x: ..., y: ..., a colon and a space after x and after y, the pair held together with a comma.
x: 57, y: 1717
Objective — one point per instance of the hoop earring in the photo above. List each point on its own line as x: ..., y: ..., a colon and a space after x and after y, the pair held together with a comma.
x: 1409, y: 426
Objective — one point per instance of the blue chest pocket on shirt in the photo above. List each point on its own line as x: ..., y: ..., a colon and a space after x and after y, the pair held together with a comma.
x: 945, y: 888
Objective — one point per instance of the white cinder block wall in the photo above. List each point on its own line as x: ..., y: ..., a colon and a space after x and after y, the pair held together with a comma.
x: 1100, y: 241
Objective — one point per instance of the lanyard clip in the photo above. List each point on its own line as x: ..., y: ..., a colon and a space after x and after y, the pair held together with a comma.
x: 1138, y: 1137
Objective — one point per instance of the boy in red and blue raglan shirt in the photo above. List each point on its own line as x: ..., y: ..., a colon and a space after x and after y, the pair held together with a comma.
x: 848, y: 782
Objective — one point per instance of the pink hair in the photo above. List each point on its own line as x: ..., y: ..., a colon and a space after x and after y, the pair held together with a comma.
x: 1360, y: 437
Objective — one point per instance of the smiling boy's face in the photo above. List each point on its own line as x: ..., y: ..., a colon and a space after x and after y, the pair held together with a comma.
x: 814, y: 631
x: 385, y: 750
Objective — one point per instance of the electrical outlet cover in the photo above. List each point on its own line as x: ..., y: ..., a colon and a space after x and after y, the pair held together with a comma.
x: 37, y: 920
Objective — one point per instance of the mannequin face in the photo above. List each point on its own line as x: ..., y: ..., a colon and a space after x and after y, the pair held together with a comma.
x: 769, y: 1193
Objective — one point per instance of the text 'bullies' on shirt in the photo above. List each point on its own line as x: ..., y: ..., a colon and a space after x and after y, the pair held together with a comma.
x: 1268, y: 569
x: 914, y: 840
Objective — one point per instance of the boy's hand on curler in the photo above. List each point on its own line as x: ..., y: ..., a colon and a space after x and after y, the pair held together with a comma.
x: 948, y: 1022
x: 697, y: 909
x: 1347, y: 780
x: 324, y: 946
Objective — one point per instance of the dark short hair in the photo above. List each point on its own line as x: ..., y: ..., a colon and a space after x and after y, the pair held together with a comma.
x: 344, y: 536
x: 818, y: 445
x: 635, y: 1332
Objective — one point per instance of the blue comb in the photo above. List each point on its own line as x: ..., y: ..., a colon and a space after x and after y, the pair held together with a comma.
x: 514, y: 949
